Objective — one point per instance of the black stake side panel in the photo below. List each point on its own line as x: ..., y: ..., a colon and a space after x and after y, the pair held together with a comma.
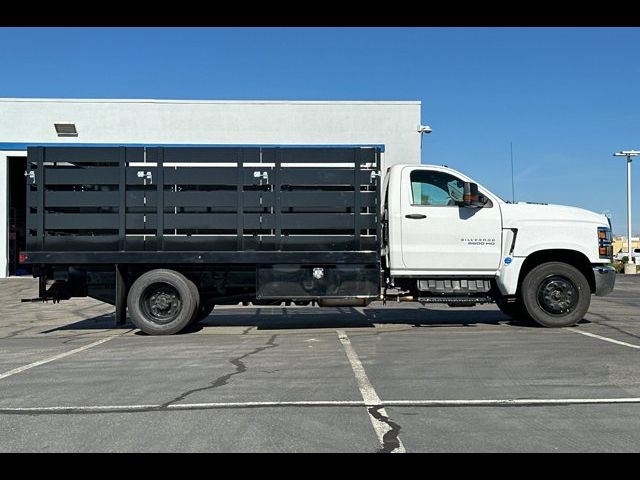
x: 93, y: 201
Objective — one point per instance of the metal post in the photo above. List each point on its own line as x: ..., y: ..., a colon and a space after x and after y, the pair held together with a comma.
x: 629, y: 249
x: 630, y: 266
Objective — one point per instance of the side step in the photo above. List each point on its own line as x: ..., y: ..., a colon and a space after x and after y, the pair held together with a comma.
x: 454, y: 285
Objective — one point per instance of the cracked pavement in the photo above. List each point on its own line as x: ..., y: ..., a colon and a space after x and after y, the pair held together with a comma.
x: 390, y: 438
x: 237, y: 362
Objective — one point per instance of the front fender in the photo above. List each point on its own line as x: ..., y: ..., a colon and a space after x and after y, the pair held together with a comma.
x: 509, y: 273
x: 530, y: 248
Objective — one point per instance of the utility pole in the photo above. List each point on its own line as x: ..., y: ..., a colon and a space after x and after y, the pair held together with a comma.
x: 630, y: 267
x: 513, y: 188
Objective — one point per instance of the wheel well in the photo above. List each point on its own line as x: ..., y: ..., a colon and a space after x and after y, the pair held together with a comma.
x: 570, y: 257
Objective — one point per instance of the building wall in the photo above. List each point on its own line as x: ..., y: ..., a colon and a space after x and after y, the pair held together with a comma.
x: 392, y: 124
x: 30, y: 121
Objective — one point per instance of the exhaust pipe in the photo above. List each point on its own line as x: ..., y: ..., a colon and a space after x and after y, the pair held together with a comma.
x: 406, y: 298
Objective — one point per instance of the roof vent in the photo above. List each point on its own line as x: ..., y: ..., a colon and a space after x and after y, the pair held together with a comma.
x: 66, y: 129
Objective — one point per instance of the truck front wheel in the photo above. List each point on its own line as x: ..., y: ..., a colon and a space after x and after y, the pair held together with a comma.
x: 513, y: 309
x: 162, y: 302
x: 556, y: 294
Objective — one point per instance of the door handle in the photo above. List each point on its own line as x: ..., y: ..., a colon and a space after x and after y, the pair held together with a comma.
x: 415, y: 216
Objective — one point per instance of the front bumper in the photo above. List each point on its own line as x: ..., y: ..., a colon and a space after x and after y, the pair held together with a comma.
x: 605, y: 280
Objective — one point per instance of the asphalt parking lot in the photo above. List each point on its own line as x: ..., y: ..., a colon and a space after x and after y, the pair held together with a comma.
x: 389, y: 378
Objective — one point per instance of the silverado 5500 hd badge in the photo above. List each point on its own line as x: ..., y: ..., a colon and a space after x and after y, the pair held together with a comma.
x: 479, y: 241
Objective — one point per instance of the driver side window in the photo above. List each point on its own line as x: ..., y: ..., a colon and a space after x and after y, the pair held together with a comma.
x: 435, y: 188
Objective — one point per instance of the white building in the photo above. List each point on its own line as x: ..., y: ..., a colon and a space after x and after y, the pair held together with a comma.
x: 394, y: 125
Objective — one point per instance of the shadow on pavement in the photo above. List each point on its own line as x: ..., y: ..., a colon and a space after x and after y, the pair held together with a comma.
x: 331, y: 318
x: 274, y: 318
x: 100, y: 322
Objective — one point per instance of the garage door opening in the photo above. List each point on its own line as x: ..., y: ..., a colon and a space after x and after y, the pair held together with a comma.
x: 16, y: 187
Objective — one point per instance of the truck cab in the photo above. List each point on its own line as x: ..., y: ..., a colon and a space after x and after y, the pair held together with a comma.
x: 452, y: 240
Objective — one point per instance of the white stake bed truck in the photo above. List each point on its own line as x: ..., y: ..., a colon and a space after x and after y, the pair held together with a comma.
x: 167, y: 233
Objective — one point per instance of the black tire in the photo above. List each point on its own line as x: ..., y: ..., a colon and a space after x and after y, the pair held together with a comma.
x: 196, y: 294
x: 203, y: 312
x: 162, y: 302
x: 556, y: 294
x: 514, y: 310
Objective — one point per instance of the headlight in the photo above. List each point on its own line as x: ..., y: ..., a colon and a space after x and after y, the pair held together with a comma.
x: 605, y: 246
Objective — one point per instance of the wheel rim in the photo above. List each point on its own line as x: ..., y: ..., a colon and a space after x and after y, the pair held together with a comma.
x: 161, y: 303
x: 557, y: 295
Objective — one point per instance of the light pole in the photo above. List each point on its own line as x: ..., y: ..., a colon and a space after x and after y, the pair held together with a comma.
x: 630, y: 267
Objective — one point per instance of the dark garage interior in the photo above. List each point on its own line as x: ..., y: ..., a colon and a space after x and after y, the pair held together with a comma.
x: 17, y: 215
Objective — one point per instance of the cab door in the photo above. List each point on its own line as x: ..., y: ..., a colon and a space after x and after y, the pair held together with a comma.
x: 439, y: 235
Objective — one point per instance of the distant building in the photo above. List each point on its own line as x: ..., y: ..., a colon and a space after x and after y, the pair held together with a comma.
x: 620, y: 244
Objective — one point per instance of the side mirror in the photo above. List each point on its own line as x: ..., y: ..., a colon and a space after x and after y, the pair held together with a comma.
x: 471, y: 196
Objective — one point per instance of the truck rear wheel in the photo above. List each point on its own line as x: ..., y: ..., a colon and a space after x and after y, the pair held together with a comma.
x: 556, y: 294
x: 204, y: 310
x: 196, y: 294
x: 162, y: 302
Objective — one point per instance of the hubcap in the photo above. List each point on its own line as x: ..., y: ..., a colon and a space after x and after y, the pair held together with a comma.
x: 557, y: 295
x: 161, y: 303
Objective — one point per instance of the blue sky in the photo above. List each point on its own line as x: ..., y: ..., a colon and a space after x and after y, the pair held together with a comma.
x: 566, y: 97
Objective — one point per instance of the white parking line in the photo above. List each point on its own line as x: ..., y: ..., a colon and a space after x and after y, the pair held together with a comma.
x: 369, y: 395
x: 55, y: 357
x: 606, y: 339
x: 181, y: 406
x: 503, y: 402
